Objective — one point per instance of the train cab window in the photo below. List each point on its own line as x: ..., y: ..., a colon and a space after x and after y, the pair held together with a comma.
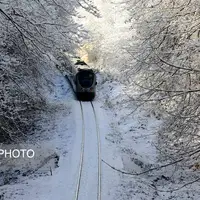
x: 86, y: 79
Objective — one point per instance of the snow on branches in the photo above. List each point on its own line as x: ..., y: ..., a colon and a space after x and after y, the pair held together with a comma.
x: 31, y: 32
x: 166, y: 50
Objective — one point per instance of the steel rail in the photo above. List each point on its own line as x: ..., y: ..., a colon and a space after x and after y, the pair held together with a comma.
x: 99, y: 154
x: 81, y: 155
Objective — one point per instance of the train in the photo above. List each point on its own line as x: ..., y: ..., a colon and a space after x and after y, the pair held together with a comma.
x: 81, y: 77
x: 85, y: 82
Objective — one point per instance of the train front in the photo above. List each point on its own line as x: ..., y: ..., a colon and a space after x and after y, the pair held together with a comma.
x: 85, y: 84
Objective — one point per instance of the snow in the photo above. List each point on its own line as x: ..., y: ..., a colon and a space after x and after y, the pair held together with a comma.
x: 127, y: 144
x: 128, y: 135
x: 63, y: 138
x: 133, y: 139
x: 55, y: 140
x: 89, y: 179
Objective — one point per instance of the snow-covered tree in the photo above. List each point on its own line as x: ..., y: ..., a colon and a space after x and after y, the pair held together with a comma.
x: 165, y: 53
x: 32, y: 32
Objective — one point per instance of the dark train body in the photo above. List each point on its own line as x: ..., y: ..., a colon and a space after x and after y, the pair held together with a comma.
x: 85, y: 82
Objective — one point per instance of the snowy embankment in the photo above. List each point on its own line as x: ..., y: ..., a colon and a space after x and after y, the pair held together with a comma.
x: 44, y: 176
x: 132, y: 139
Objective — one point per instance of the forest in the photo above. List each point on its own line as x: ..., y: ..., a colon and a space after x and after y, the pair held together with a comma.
x: 156, y: 56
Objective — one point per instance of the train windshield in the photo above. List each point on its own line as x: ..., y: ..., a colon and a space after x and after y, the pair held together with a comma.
x: 86, y: 79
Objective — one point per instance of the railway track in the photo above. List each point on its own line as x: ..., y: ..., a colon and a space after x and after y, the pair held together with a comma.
x: 84, y: 154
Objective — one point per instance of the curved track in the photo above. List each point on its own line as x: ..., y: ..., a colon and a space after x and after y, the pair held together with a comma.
x: 90, y: 150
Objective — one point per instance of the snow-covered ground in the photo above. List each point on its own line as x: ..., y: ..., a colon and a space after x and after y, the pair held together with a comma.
x: 53, y: 172
x: 133, y: 139
x: 45, y: 175
x: 127, y: 144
